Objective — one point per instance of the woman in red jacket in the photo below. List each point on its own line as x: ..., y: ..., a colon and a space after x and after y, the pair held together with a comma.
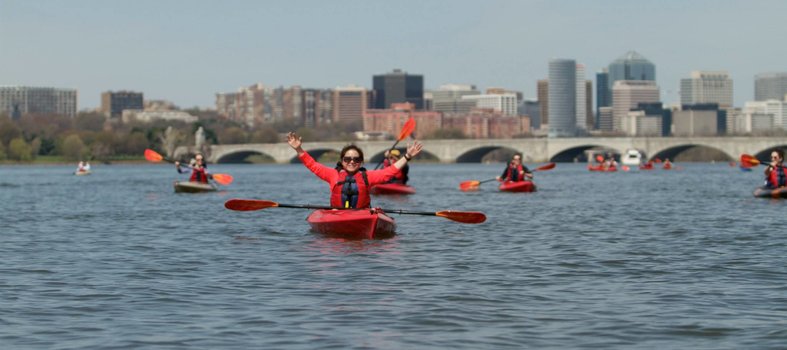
x: 349, y: 181
x: 776, y: 172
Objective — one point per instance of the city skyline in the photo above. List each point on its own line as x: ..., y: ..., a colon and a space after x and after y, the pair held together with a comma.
x: 186, y: 52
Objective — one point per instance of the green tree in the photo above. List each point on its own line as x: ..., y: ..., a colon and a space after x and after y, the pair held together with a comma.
x: 72, y: 147
x: 232, y: 135
x: 8, y: 131
x: 35, y: 146
x: 2, y: 151
x: 265, y: 135
x: 20, y: 150
x: 134, y: 144
x: 90, y: 121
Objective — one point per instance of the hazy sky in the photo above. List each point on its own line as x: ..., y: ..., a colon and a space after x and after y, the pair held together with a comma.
x: 186, y: 51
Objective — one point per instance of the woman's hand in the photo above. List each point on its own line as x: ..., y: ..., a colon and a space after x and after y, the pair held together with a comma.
x: 295, y: 142
x: 414, y: 149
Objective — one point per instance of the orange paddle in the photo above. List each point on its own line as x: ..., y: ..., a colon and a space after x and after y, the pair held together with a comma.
x: 466, y: 217
x: 407, y: 129
x: 153, y: 156
x: 472, y: 185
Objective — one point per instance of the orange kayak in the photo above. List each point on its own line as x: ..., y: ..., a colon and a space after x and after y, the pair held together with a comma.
x: 392, y: 188
x: 352, y: 223
x: 517, y: 186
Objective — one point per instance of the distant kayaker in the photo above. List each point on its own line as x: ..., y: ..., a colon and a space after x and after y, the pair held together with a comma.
x: 86, y: 167
x: 199, y: 170
x: 392, y: 157
x: 775, y: 172
x: 349, y: 181
x: 515, y: 170
x: 81, y: 167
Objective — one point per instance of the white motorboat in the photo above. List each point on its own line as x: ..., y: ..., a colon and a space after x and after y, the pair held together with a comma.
x: 631, y: 157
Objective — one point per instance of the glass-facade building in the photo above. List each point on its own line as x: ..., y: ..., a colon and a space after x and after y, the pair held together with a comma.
x: 562, y: 98
x: 398, y: 87
x: 770, y: 86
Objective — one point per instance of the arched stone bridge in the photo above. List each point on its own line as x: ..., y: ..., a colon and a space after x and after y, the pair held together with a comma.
x: 533, y: 149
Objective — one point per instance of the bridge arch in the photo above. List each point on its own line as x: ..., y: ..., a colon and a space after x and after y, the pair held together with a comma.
x: 378, y: 157
x: 487, y: 154
x: 243, y: 155
x: 578, y: 154
x: 317, y: 153
x: 692, y: 152
x: 765, y: 155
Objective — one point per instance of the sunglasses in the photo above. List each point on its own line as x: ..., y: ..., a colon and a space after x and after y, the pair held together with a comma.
x: 356, y: 160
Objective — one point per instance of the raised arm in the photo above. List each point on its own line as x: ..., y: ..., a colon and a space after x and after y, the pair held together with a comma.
x: 412, y: 151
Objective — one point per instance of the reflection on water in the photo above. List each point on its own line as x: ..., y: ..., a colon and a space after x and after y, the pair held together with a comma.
x: 686, y: 258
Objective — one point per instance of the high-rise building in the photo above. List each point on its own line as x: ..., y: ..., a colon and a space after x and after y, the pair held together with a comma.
x: 350, y: 103
x: 603, y: 96
x: 631, y: 66
x: 543, y: 100
x: 448, y: 98
x: 770, y: 86
x: 114, y: 103
x: 776, y: 108
x: 562, y: 98
x: 20, y: 100
x: 532, y: 109
x: 317, y: 107
x: 581, y: 95
x: 707, y: 87
x: 504, y: 103
x: 627, y: 94
x: 398, y: 87
x: 244, y: 106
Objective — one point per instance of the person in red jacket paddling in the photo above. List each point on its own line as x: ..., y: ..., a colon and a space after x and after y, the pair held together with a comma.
x: 199, y: 171
x: 515, y: 170
x: 776, y: 172
x: 392, y: 157
x: 349, y: 181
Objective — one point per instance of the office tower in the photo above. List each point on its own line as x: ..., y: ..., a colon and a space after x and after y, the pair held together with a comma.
x: 113, y: 103
x: 707, y: 87
x: 532, y: 109
x: 581, y: 95
x: 562, y: 98
x: 20, y: 100
x: 543, y: 100
x: 699, y: 120
x: 777, y: 109
x: 603, y: 97
x: 770, y: 86
x: 448, y: 98
x: 631, y: 66
x: 350, y: 103
x: 317, y: 107
x: 627, y: 94
x: 398, y: 87
x: 504, y: 103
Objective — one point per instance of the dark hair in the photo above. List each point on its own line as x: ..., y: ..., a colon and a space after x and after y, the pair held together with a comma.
x: 780, y: 152
x: 344, y: 150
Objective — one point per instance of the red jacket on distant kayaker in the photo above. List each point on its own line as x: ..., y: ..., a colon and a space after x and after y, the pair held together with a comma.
x: 515, y: 171
x: 776, y: 172
x: 392, y: 157
x: 199, y: 170
x: 349, y: 181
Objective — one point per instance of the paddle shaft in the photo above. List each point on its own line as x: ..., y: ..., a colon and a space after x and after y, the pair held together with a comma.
x: 387, y: 211
x: 383, y: 159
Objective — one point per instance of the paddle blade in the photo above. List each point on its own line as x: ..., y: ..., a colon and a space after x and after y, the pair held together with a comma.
x: 152, y: 156
x: 625, y: 168
x: 248, y: 204
x: 223, y: 179
x: 599, y: 158
x: 467, y: 217
x: 546, y: 167
x: 749, y: 160
x: 407, y: 129
x: 471, y: 185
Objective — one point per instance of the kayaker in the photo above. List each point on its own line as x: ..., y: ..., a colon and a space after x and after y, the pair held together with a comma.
x: 86, y: 167
x: 392, y: 157
x: 199, y: 170
x: 775, y: 171
x: 349, y: 181
x: 609, y: 162
x: 81, y: 167
x: 515, y: 170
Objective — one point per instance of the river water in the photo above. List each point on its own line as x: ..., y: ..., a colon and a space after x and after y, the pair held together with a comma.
x: 650, y: 260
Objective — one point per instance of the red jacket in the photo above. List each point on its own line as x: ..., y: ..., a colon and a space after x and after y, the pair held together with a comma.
x: 333, y: 177
x: 199, y: 175
x: 774, y: 178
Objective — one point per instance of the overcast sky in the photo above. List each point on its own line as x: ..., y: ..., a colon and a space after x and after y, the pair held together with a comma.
x: 186, y: 51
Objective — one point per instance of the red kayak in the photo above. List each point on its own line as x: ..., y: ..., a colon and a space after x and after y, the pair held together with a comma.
x: 667, y: 166
x: 352, y: 223
x: 517, y: 186
x: 392, y: 188
x: 601, y: 168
